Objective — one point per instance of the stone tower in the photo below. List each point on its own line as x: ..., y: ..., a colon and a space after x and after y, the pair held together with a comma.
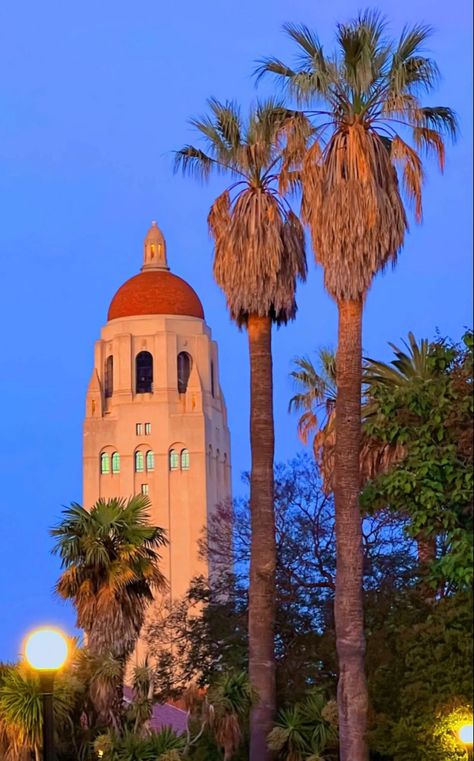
x: 156, y: 419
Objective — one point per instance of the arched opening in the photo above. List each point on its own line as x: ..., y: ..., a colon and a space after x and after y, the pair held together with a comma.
x: 139, y: 462
x: 174, y: 459
x: 184, y: 371
x: 150, y: 460
x: 185, y: 459
x: 144, y: 373
x: 104, y: 463
x: 109, y: 377
x: 115, y: 462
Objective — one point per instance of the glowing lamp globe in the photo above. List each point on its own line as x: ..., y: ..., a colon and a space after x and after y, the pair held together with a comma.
x: 466, y: 734
x: 46, y: 649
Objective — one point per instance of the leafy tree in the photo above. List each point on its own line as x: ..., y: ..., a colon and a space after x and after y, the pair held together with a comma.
x: 208, y: 630
x: 419, y: 668
x: 110, y: 559
x: 421, y: 402
x: 370, y: 124
x: 259, y: 253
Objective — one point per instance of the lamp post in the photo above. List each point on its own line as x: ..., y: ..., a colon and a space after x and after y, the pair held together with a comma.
x: 466, y: 737
x: 46, y: 651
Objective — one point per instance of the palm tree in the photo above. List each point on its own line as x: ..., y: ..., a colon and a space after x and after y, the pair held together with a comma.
x: 370, y: 125
x: 317, y: 390
x: 228, y: 705
x: 21, y: 715
x: 110, y: 559
x: 259, y: 253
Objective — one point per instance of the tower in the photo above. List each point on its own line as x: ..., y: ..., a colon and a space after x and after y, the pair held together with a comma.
x: 155, y: 418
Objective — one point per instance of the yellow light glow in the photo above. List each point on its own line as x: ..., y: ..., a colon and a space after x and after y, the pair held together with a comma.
x: 466, y: 734
x: 46, y: 649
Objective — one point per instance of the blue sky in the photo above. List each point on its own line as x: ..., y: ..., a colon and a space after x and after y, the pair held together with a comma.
x: 94, y: 97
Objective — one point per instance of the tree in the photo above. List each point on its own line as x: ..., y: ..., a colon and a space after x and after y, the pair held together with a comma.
x: 365, y: 100
x: 421, y: 402
x: 259, y: 253
x: 208, y: 628
x: 110, y: 559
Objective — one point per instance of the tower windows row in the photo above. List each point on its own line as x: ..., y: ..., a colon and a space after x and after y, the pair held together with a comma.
x: 179, y: 460
x: 140, y: 427
x: 144, y: 461
x: 144, y: 373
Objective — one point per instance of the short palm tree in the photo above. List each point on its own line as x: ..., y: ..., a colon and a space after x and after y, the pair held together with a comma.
x: 259, y: 253
x: 21, y: 714
x: 370, y: 125
x: 228, y: 706
x: 111, y: 571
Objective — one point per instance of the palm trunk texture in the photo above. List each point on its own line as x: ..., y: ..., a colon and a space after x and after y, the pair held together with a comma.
x: 352, y: 696
x: 263, y: 545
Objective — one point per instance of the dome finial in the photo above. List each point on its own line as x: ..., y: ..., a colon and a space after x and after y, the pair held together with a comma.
x: 155, y: 250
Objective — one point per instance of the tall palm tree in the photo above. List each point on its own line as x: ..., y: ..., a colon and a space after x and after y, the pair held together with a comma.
x: 370, y: 125
x: 259, y: 253
x: 111, y: 571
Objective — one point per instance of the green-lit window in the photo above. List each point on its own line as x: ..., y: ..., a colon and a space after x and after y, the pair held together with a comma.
x: 150, y: 461
x: 115, y: 462
x: 104, y: 463
x: 174, y: 459
x: 139, y: 462
x: 184, y: 459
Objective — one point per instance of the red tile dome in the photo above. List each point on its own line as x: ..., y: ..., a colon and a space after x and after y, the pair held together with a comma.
x: 155, y: 291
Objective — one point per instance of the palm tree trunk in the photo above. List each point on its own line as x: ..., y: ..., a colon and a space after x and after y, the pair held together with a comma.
x: 352, y: 694
x: 263, y: 545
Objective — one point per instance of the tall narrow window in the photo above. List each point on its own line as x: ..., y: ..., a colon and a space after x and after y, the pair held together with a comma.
x: 213, y: 386
x: 104, y: 463
x: 109, y: 376
x: 115, y: 462
x: 184, y: 371
x: 139, y: 429
x: 174, y: 459
x: 185, y: 459
x: 150, y: 461
x: 144, y: 489
x: 144, y: 372
x: 139, y: 462
x: 147, y: 429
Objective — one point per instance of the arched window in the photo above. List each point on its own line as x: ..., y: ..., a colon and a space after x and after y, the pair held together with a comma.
x: 184, y: 371
x: 144, y: 372
x: 115, y: 462
x: 185, y: 459
x: 139, y: 462
x: 174, y: 459
x: 213, y: 385
x: 109, y: 376
x: 150, y: 460
x: 104, y: 463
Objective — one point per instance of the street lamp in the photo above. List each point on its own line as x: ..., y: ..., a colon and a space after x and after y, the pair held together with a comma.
x: 466, y: 737
x: 46, y: 651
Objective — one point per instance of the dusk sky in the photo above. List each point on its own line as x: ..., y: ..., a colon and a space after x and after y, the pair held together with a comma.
x: 94, y: 98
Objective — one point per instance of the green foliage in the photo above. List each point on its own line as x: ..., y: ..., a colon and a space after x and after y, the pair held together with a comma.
x: 306, y: 731
x: 161, y: 746
x: 422, y: 402
x: 420, y: 678
x: 21, y: 708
